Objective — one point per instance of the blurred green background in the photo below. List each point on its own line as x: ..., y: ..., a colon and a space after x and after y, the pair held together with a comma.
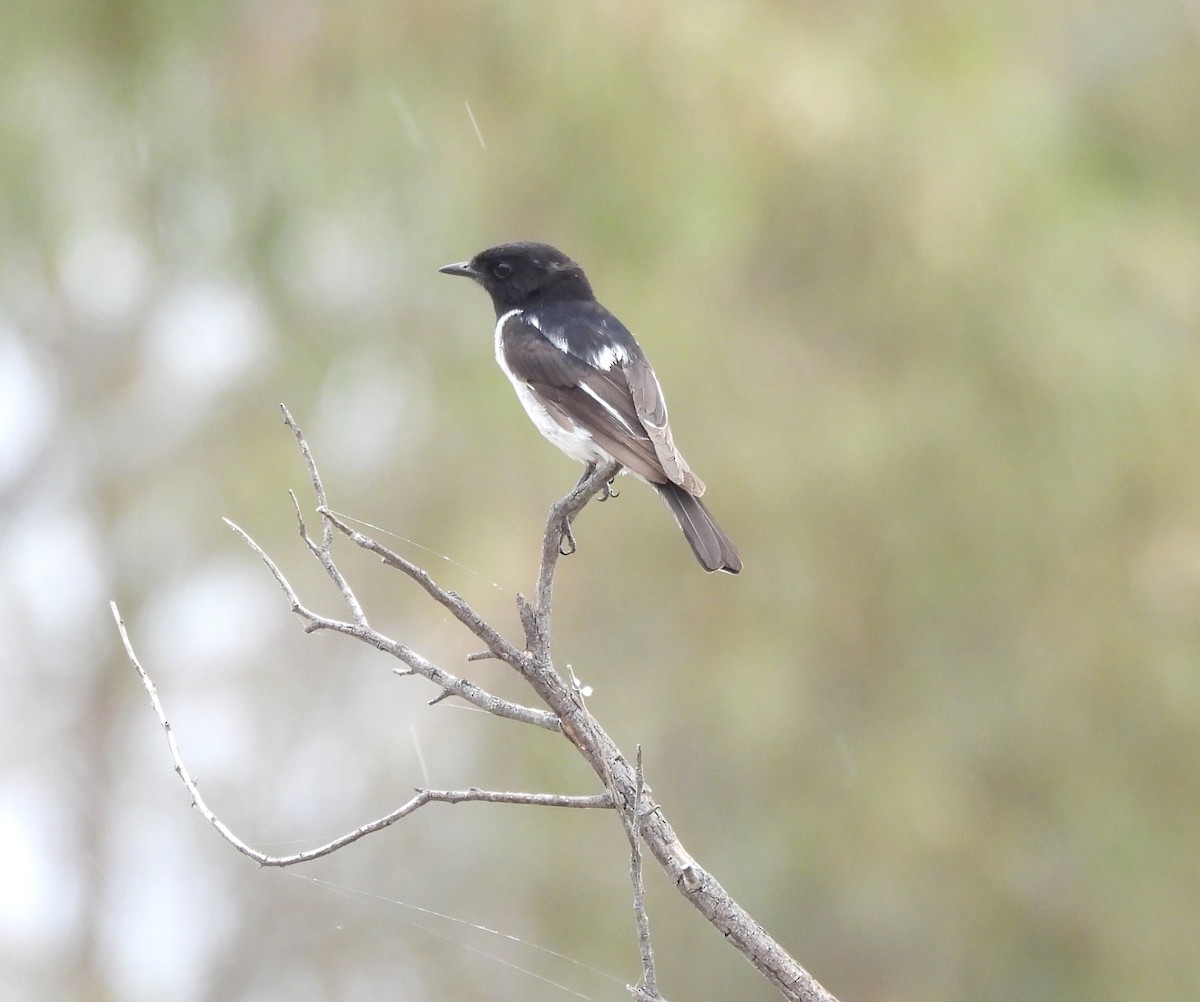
x: 922, y: 283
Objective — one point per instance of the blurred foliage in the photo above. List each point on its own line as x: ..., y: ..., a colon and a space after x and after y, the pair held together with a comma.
x: 923, y: 285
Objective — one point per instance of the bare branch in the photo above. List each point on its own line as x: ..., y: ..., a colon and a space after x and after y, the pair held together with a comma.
x: 318, y: 486
x: 498, y: 647
x: 624, y: 783
x: 315, y: 621
x: 450, y: 684
x: 562, y: 514
x: 423, y: 796
x: 693, y: 882
x: 620, y: 778
x: 647, y: 991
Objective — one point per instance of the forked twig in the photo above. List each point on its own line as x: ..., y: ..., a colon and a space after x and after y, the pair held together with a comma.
x: 450, y: 684
x: 423, y: 796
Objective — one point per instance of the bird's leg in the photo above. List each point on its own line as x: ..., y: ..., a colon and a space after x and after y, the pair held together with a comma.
x: 588, y: 470
x: 566, y: 540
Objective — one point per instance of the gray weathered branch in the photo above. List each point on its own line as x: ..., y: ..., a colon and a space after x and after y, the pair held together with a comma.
x: 623, y: 782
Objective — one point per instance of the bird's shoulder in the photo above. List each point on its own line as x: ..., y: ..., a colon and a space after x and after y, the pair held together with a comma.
x: 584, y: 330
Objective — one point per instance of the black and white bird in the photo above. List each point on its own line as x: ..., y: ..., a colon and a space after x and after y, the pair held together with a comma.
x: 586, y: 383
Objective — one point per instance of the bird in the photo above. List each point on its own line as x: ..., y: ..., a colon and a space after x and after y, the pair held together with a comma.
x: 586, y: 383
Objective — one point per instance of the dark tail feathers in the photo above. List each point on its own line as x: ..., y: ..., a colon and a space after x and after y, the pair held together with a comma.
x: 711, y: 546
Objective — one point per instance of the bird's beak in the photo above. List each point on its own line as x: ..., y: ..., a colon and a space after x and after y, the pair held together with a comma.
x: 462, y: 268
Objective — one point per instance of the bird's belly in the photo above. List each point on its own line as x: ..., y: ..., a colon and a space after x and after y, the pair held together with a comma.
x: 576, y: 442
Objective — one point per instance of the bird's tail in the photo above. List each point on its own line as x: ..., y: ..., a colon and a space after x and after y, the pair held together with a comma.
x: 711, y: 546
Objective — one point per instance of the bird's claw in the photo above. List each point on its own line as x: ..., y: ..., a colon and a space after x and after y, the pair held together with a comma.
x: 566, y: 540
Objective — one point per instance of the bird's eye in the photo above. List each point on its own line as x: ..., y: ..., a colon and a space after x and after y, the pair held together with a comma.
x: 502, y: 269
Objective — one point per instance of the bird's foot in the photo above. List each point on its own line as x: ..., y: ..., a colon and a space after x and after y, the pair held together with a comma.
x: 566, y: 540
x: 607, y: 491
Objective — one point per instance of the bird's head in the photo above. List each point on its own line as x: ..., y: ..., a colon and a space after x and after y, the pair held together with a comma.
x: 520, y: 275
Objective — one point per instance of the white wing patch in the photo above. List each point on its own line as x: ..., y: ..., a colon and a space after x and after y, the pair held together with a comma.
x: 553, y: 337
x: 607, y: 356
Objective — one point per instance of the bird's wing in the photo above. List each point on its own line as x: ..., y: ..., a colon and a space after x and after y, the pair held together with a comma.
x: 604, y: 401
x: 651, y: 410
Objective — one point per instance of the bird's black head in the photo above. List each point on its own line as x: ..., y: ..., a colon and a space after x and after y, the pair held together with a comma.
x: 521, y: 275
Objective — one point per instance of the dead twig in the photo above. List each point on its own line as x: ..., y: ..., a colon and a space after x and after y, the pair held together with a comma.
x: 423, y: 796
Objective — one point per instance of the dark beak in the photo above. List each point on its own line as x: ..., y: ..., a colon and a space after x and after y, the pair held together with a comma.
x: 462, y: 268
